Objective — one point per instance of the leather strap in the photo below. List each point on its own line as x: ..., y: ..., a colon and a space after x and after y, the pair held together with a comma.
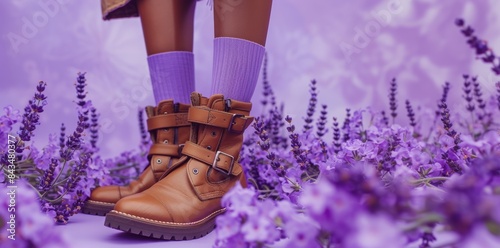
x: 232, y: 122
x: 167, y: 121
x: 219, y: 161
x: 166, y: 150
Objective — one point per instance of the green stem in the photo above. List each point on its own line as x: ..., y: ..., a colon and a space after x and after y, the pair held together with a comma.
x: 62, y: 169
x: 434, y: 187
x: 427, y: 219
x: 121, y: 168
x: 428, y: 179
x: 60, y: 172
x: 449, y: 244
x: 60, y: 182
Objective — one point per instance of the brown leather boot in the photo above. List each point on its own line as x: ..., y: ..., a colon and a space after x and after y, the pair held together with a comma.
x: 169, y: 129
x: 185, y: 203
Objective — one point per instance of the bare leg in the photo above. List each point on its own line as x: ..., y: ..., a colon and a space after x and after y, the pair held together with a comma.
x: 167, y: 25
x: 243, y: 19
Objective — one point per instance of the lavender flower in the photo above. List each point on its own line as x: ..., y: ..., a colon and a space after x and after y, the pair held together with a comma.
x: 267, y: 90
x: 321, y: 123
x: 478, y: 95
x: 468, y: 94
x: 31, y: 117
x: 94, y: 128
x: 392, y: 99
x: 62, y: 138
x: 336, y: 136
x: 311, y: 107
x: 346, y: 127
x: 34, y: 229
x: 411, y: 114
x: 385, y: 120
x: 302, y: 232
x: 498, y: 94
x: 80, y: 90
x: 145, y: 139
x: 480, y: 47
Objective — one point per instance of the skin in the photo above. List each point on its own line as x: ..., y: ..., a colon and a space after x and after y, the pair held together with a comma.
x: 244, y: 19
x: 168, y: 24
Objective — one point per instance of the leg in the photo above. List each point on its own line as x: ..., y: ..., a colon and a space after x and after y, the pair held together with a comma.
x: 168, y: 33
x: 167, y: 25
x: 243, y: 19
x: 240, y: 31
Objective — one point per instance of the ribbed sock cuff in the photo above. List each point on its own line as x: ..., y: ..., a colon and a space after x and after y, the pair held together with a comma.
x: 172, y: 75
x: 236, y: 68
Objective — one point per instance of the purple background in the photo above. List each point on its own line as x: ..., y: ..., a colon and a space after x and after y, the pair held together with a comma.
x: 419, y: 45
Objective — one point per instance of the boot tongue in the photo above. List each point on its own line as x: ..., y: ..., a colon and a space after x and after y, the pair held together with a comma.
x: 216, y: 102
x: 164, y: 135
x: 165, y: 107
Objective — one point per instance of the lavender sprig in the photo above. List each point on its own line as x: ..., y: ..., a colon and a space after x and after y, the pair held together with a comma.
x: 94, y: 128
x: 498, y: 94
x: 346, y: 126
x: 311, y: 107
x: 31, y: 116
x: 48, y: 177
x: 468, y: 94
x: 336, y: 136
x: 80, y: 90
x: 481, y: 48
x: 267, y: 90
x: 385, y: 120
x: 410, y: 113
x: 142, y: 127
x: 321, y: 123
x: 393, y: 105
x: 62, y: 138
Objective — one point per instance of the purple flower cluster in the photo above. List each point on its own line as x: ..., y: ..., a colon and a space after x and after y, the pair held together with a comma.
x: 375, y: 185
x: 33, y: 228
x: 65, y: 171
x: 56, y: 175
x: 262, y: 222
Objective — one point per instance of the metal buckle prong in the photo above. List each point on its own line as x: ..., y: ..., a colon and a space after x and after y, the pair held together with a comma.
x: 179, y: 149
x: 214, y: 164
x: 232, y: 122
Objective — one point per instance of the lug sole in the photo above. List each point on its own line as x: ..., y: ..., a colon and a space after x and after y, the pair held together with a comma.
x: 97, y: 208
x: 159, y: 229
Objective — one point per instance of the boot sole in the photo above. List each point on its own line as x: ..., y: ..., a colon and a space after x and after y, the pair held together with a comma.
x: 97, y: 208
x: 160, y: 229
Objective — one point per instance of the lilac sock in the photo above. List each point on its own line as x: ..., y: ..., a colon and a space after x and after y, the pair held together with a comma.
x: 172, y: 76
x: 236, y: 67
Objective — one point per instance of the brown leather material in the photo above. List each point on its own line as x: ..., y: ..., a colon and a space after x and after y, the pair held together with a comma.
x: 233, y: 122
x: 169, y: 131
x: 219, y: 160
x: 167, y: 121
x: 194, y: 188
x: 165, y: 149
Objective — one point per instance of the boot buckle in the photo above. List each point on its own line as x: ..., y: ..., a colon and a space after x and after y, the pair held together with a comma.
x: 216, y: 159
x: 179, y: 149
x: 232, y: 122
